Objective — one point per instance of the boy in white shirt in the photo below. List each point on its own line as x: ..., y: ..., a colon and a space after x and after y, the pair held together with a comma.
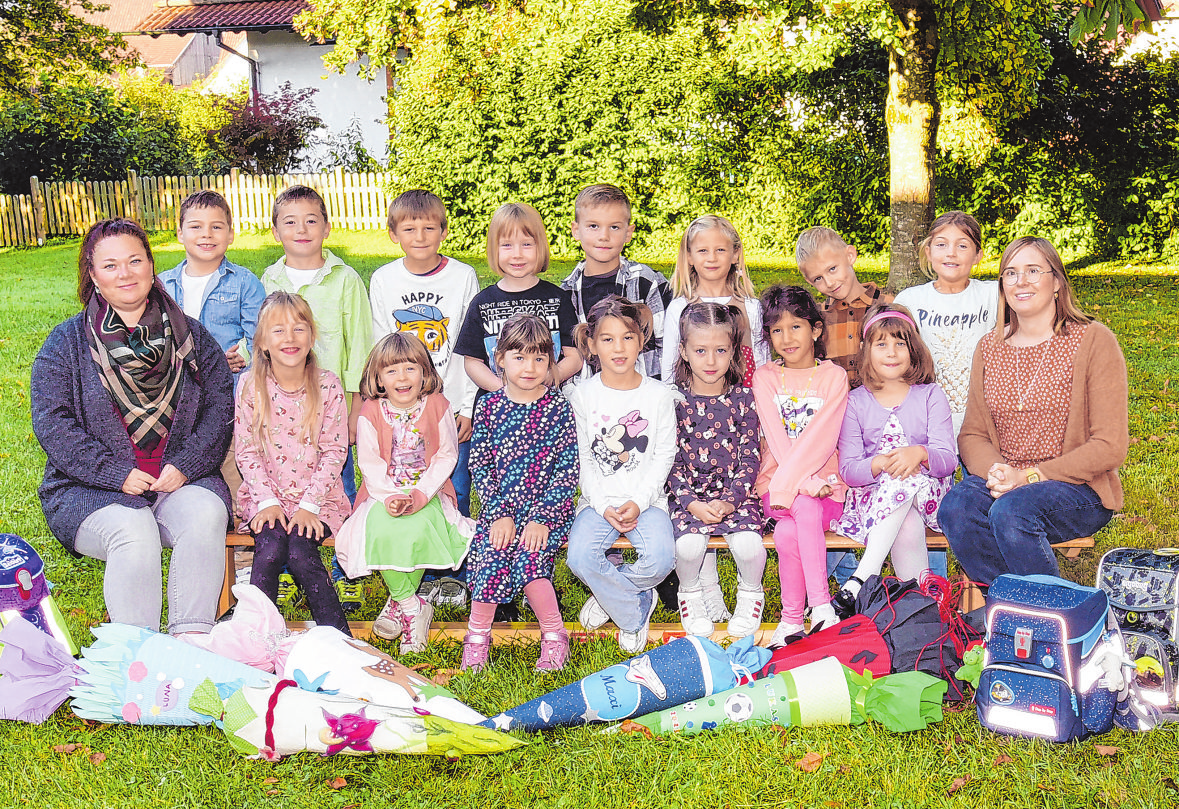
x: 427, y: 293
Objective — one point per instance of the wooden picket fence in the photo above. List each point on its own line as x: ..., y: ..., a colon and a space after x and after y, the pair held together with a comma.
x: 355, y: 201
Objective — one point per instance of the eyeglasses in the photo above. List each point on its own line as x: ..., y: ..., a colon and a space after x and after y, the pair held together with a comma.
x: 1032, y: 274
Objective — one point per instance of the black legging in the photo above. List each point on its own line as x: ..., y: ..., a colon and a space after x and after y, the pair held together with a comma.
x: 276, y: 548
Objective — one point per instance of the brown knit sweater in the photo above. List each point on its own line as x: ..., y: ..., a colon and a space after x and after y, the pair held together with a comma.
x: 1098, y: 430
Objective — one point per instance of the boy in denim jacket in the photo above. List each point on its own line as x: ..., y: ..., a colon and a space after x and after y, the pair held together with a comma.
x: 223, y: 296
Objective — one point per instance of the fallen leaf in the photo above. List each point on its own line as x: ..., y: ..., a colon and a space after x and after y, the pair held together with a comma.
x: 1105, y: 750
x: 444, y: 676
x: 1046, y: 787
x: 630, y: 726
x: 1003, y: 759
x: 350, y: 806
x: 845, y: 769
x: 97, y: 758
x: 70, y: 748
x: 810, y: 762
x: 1155, y: 438
x: 958, y: 783
x: 269, y: 780
x: 420, y: 666
x: 1170, y: 783
x: 338, y: 783
x: 272, y: 792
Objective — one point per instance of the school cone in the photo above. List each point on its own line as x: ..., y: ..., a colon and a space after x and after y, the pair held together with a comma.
x: 811, y: 695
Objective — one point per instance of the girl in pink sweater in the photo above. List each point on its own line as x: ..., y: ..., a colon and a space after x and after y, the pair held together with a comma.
x: 290, y: 434
x: 800, y: 399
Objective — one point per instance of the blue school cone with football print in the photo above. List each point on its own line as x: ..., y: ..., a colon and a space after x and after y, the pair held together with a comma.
x: 684, y: 669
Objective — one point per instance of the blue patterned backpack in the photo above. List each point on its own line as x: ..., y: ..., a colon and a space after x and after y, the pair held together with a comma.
x: 1055, y: 663
x: 1143, y: 590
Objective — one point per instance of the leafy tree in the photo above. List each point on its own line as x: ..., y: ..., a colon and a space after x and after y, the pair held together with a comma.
x: 1094, y: 166
x: 84, y: 126
x: 47, y: 36
x: 267, y: 134
x: 530, y: 104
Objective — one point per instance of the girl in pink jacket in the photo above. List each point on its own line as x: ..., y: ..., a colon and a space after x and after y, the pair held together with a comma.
x: 800, y: 399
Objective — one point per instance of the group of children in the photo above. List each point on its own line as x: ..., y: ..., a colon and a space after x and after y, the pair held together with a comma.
x: 679, y: 411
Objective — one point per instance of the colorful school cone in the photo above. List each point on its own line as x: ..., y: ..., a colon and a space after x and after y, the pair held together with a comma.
x: 279, y: 720
x: 36, y: 672
x: 324, y: 658
x: 684, y: 669
x: 812, y: 695
x: 142, y: 677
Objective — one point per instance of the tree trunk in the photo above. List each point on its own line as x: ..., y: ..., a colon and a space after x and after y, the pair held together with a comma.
x: 911, y: 116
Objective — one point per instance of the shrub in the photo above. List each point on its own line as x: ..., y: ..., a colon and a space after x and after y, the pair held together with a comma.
x: 267, y: 134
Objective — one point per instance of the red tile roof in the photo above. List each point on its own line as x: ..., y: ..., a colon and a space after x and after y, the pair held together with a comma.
x: 185, y: 16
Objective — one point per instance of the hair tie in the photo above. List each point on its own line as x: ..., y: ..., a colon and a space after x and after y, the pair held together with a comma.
x: 882, y: 315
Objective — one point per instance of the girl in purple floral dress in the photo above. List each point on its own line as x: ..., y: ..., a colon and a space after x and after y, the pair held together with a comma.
x: 896, y: 451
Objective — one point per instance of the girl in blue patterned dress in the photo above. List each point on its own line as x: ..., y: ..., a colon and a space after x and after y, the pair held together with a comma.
x: 525, y: 469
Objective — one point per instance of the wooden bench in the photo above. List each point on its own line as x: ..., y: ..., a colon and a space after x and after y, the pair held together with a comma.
x: 835, y: 542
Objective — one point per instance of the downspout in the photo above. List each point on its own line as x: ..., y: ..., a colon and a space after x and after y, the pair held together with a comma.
x: 254, y: 70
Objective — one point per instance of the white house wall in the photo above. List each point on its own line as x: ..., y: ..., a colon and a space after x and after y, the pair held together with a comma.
x: 286, y: 57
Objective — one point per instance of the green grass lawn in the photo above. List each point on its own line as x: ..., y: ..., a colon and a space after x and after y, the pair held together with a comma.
x: 119, y: 766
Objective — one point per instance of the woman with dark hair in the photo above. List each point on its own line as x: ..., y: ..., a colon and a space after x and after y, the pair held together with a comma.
x: 1046, y: 425
x: 133, y: 405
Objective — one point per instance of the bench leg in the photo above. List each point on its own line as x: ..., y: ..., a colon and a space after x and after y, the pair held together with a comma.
x: 226, y: 599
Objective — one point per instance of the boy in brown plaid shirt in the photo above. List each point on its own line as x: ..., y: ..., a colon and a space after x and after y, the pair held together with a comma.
x: 827, y: 263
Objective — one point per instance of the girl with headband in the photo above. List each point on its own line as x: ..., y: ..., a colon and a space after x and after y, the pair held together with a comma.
x: 896, y: 451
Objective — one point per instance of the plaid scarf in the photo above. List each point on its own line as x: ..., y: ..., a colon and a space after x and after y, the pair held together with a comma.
x: 141, y: 365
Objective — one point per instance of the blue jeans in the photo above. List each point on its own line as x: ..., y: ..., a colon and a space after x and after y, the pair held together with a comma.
x: 348, y: 473
x: 1014, y: 533
x: 841, y: 565
x: 460, y: 478
x: 625, y: 592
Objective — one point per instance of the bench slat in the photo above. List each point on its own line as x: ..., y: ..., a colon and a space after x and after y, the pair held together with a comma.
x: 835, y: 542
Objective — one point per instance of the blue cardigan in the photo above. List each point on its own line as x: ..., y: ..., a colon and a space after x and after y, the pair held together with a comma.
x: 89, y: 451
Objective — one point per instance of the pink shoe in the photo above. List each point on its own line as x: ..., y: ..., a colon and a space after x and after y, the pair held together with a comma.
x: 554, y: 651
x: 476, y: 650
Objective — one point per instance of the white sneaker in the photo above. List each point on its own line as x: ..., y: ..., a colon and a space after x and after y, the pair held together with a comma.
x: 634, y: 642
x: 823, y: 616
x: 747, y: 615
x: 415, y: 628
x: 693, y: 617
x: 388, y: 623
x: 714, y: 603
x: 592, y: 616
x: 783, y: 632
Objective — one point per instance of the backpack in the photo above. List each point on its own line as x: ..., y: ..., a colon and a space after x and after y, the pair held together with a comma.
x: 1053, y: 662
x: 1143, y: 591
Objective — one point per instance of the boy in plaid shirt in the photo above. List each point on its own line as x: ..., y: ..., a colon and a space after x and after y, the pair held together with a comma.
x: 827, y: 263
x: 601, y: 224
